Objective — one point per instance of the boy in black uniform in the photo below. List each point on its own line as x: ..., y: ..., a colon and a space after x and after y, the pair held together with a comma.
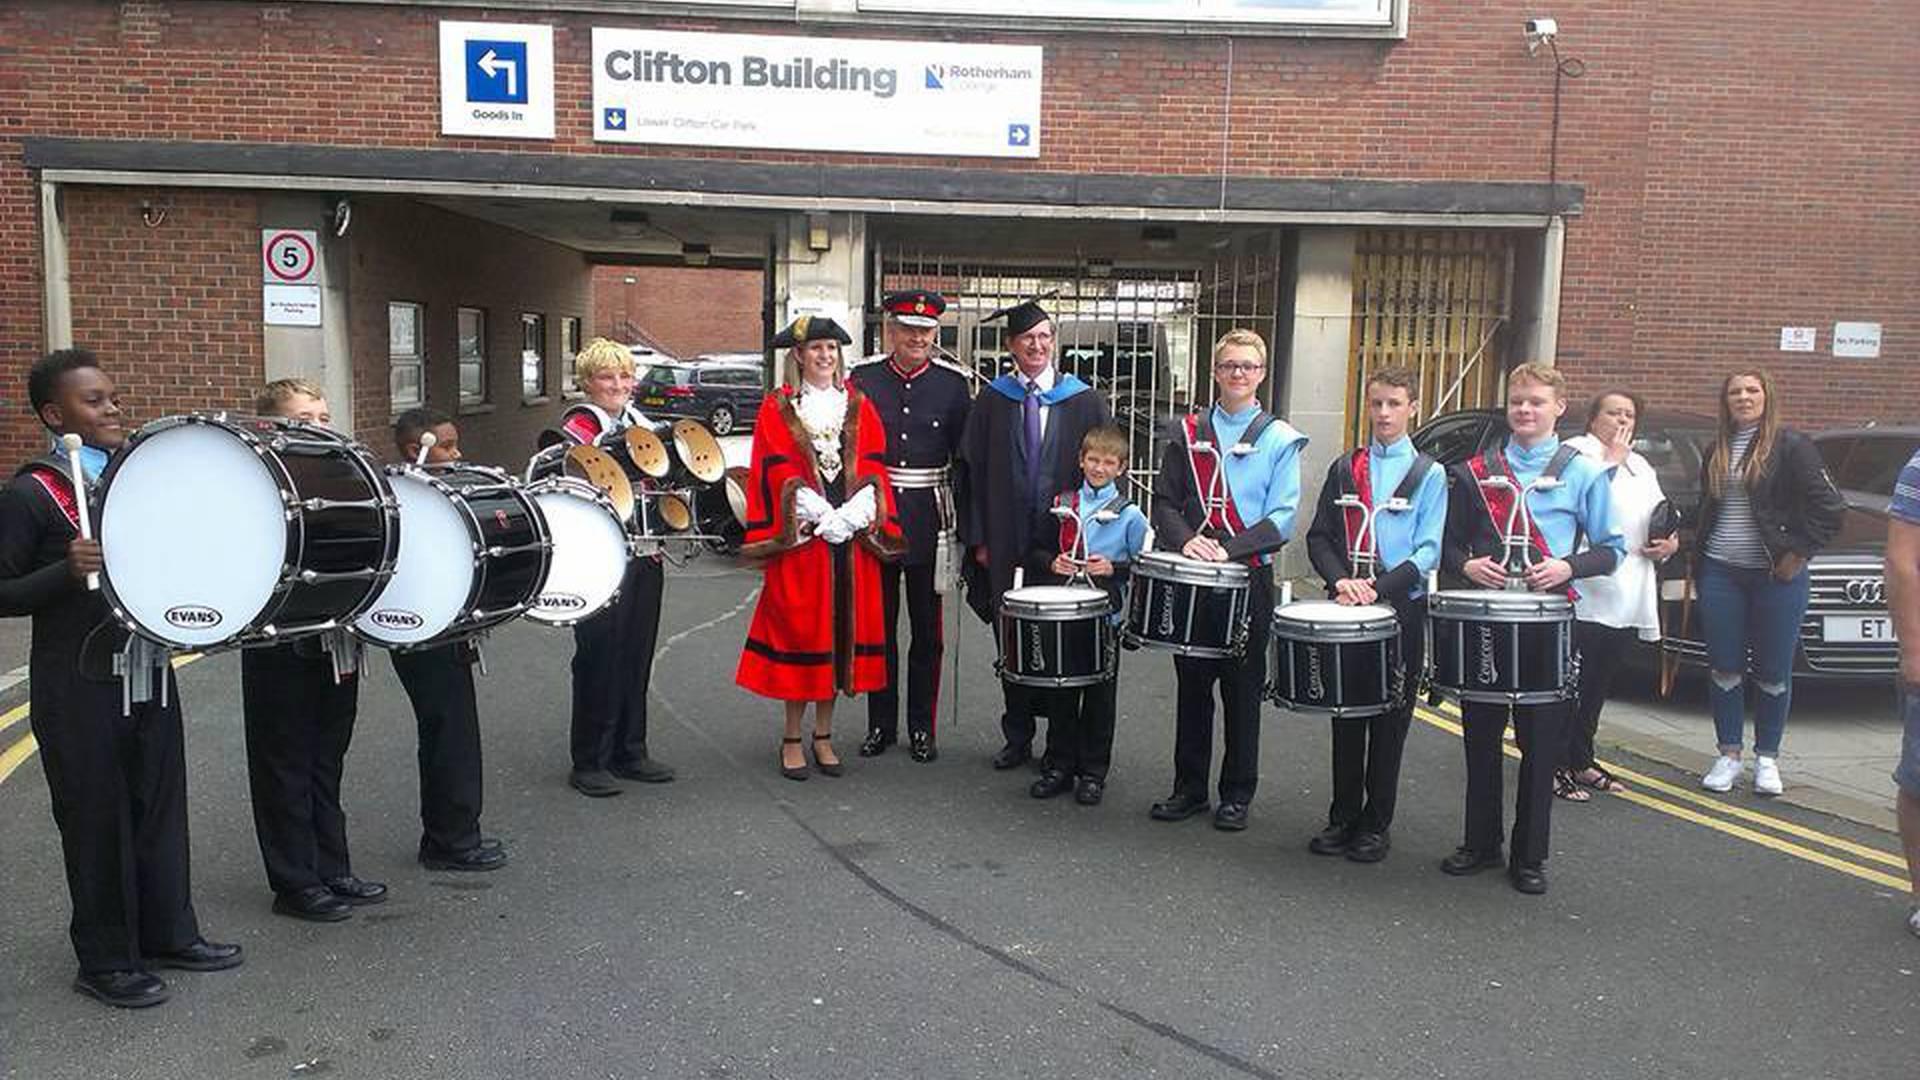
x: 299, y: 722
x: 118, y: 782
x: 923, y: 405
x: 439, y: 682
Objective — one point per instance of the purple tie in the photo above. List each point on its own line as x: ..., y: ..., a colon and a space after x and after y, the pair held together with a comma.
x: 1030, y: 417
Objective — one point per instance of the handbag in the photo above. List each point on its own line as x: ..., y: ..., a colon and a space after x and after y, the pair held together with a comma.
x: 1663, y: 521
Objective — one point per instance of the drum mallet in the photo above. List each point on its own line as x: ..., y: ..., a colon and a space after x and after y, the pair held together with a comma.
x: 79, y: 478
x: 427, y: 439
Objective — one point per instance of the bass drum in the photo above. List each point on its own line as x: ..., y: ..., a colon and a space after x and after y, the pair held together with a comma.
x: 590, y: 551
x: 435, y: 596
x: 229, y: 532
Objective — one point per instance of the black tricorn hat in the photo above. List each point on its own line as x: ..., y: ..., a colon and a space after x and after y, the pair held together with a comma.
x: 1021, y: 317
x: 810, y: 328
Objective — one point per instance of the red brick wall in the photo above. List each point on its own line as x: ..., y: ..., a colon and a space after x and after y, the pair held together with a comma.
x: 405, y: 250
x: 684, y: 310
x: 1745, y: 168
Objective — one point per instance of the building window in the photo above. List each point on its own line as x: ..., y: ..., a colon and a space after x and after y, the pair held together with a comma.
x: 406, y: 357
x: 533, y: 357
x: 569, y: 348
x: 473, y: 355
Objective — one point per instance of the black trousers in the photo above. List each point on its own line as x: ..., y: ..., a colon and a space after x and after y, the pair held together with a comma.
x: 1603, y: 652
x: 612, y: 666
x: 1080, y: 729
x: 1366, y: 753
x: 1541, y: 731
x: 299, y: 723
x: 1242, y: 683
x: 924, y: 622
x: 119, y: 791
x: 439, y: 682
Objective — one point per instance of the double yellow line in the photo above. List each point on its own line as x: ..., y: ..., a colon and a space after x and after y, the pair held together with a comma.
x: 26, y: 746
x: 1811, y: 845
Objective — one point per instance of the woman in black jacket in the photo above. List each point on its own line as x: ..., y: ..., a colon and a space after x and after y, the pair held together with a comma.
x: 1767, y: 506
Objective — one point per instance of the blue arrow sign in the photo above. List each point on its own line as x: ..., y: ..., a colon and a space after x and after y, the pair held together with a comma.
x: 497, y: 71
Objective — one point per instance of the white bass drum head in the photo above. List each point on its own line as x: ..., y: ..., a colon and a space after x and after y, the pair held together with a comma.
x: 589, y: 556
x: 433, y: 576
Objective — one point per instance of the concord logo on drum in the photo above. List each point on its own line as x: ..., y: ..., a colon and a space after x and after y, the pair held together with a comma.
x: 1037, y: 653
x: 1316, y: 685
x: 559, y: 601
x: 1866, y: 590
x: 192, y: 616
x: 395, y: 619
x: 1489, y: 672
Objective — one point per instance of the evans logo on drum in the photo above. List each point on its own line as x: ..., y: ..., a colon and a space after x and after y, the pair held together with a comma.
x: 192, y: 616
x: 560, y: 601
x: 395, y: 619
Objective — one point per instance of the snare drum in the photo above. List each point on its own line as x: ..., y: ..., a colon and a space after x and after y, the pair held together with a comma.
x: 1188, y: 606
x: 590, y: 551
x: 1056, y: 636
x: 1506, y: 647
x: 1335, y: 659
x: 243, y: 531
x: 434, y: 595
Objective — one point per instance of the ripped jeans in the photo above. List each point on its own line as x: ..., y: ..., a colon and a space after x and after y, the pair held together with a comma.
x: 1747, y: 614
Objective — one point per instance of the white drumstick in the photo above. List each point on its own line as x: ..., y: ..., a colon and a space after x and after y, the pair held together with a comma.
x: 1286, y: 592
x: 426, y: 443
x: 79, y: 477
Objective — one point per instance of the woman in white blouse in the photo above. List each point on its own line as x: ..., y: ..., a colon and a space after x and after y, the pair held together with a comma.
x: 1615, y: 609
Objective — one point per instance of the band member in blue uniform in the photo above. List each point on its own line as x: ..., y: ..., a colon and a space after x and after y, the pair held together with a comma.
x: 1575, y: 538
x: 1020, y: 449
x: 1262, y: 467
x: 118, y: 782
x: 923, y: 405
x: 613, y: 650
x: 1406, y: 542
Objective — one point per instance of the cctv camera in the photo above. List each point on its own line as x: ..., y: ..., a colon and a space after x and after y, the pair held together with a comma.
x: 1542, y: 28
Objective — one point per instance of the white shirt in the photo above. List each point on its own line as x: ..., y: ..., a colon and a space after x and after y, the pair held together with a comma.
x: 1628, y: 598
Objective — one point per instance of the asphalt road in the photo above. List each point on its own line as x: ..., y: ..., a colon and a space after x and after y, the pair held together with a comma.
x: 933, y: 921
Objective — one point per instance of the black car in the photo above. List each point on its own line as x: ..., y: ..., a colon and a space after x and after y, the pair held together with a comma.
x: 723, y: 394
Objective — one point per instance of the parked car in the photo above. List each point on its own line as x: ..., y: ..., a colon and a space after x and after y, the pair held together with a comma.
x: 1846, y: 631
x: 723, y: 394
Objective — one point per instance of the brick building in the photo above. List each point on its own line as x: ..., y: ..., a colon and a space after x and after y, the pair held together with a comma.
x: 1363, y: 180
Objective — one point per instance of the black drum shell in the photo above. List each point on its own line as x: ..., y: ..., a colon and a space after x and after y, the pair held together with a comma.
x: 1074, y: 646
x: 1502, y: 657
x: 1186, y: 618
x: 1351, y: 675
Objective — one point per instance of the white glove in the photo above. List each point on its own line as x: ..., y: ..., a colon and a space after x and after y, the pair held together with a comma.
x: 810, y: 505
x: 858, y: 512
x: 834, y: 528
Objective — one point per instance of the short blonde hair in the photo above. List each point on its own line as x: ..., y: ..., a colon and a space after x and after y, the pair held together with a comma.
x: 1241, y: 339
x: 601, y: 354
x: 1546, y: 375
x: 280, y: 391
x: 1106, y: 439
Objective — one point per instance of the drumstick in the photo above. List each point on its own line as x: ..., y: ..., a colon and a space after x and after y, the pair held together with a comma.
x: 427, y: 440
x: 72, y: 443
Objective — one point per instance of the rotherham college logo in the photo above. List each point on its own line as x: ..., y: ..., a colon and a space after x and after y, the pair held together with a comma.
x: 936, y: 76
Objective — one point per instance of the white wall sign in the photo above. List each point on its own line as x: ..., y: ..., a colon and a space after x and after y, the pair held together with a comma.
x: 1798, y: 338
x: 816, y: 93
x: 291, y: 305
x: 1860, y: 340
x: 496, y: 79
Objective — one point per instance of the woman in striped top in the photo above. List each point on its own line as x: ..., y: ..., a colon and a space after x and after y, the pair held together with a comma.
x: 1767, y: 506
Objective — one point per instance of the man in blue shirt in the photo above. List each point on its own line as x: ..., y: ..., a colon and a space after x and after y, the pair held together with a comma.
x: 1406, y: 543
x: 1575, y: 509
x: 1903, y: 600
x: 1260, y: 458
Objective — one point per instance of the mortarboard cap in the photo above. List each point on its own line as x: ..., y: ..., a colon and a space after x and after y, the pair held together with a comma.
x: 1021, y: 317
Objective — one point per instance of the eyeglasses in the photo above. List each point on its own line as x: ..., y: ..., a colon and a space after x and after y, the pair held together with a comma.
x: 1238, y: 368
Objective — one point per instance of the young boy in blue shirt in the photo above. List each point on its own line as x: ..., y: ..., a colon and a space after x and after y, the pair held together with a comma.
x: 1080, y: 729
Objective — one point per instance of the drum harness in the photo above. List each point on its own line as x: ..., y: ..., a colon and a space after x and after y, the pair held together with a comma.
x: 1363, y: 543
x: 1519, y: 533
x: 1216, y: 498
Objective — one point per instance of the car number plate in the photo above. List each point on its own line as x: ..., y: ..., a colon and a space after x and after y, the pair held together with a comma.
x: 1856, y: 628
x: 653, y: 401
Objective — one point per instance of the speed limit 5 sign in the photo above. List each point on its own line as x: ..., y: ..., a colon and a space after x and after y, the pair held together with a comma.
x: 287, y: 256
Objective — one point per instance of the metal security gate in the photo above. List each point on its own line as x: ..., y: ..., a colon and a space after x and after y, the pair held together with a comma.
x: 1140, y: 335
x: 1437, y: 301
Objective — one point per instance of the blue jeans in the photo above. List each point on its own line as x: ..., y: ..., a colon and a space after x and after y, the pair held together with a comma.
x: 1747, y: 614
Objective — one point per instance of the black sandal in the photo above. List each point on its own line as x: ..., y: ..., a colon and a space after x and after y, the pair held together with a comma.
x: 1605, y: 781
x: 1565, y: 788
x: 826, y: 769
x: 793, y: 772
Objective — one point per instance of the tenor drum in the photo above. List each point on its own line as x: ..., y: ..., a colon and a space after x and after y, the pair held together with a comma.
x: 1187, y: 606
x: 435, y: 595
x: 221, y: 531
x: 1056, y: 636
x: 590, y: 551
x: 1335, y: 659
x: 1507, y: 647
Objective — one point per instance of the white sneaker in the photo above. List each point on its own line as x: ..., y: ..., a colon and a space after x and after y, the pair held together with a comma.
x: 1766, y: 776
x: 1725, y: 771
x: 1913, y: 920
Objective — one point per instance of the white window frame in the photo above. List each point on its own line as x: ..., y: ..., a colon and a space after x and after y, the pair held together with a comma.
x: 415, y: 358
x: 462, y: 358
x: 537, y: 393
x: 572, y: 339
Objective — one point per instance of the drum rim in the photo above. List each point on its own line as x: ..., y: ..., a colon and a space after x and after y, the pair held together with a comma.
x: 1374, y: 627
x: 1175, y: 567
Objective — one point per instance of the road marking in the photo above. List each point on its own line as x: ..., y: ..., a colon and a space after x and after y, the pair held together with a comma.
x: 23, y: 750
x: 1440, y: 720
x: 13, y: 716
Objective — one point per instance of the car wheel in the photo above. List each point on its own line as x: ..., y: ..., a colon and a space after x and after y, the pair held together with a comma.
x: 721, y: 419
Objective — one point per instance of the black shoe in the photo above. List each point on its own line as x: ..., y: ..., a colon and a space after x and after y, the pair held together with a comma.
x: 481, y: 856
x: 202, y: 955
x: 1178, y: 807
x: 827, y: 768
x: 1369, y: 846
x: 1230, y: 817
x: 122, y: 989
x: 1332, y: 840
x: 593, y: 783
x: 1088, y: 792
x: 1052, y: 782
x: 792, y: 772
x: 921, y: 748
x: 357, y: 892
x: 646, y: 771
x: 314, y: 904
x: 876, y: 742
x: 1466, y: 860
x: 1531, y: 880
x: 1011, y: 755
